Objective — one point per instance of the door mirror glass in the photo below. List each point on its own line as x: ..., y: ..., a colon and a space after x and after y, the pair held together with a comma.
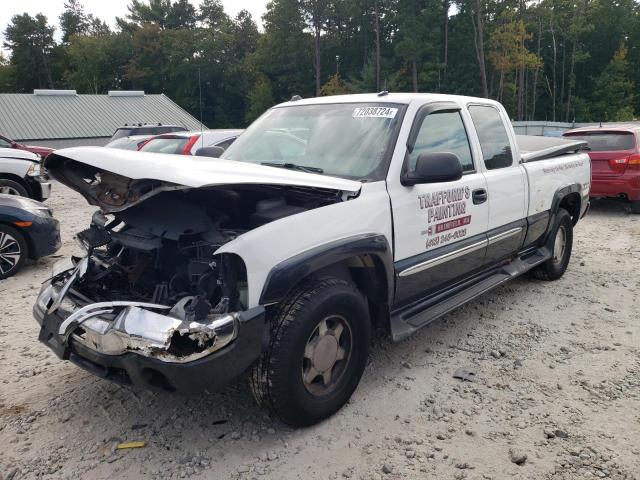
x: 213, y: 152
x: 434, y: 168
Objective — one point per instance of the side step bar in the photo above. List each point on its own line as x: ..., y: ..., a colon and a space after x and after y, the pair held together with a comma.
x: 406, y: 321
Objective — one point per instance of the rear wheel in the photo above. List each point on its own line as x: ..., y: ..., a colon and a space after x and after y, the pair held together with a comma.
x: 318, y: 352
x: 562, y: 244
x: 635, y: 206
x: 10, y: 187
x: 13, y: 251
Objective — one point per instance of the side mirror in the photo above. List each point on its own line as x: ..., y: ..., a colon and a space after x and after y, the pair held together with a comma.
x: 213, y: 152
x: 434, y: 168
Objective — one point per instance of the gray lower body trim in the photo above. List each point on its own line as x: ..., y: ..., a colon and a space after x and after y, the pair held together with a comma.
x: 443, y: 258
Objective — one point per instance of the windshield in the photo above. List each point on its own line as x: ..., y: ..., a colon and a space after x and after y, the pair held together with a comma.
x: 344, y: 140
x: 126, y: 143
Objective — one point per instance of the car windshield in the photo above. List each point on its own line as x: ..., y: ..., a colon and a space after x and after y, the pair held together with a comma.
x: 606, y: 141
x: 165, y: 145
x: 344, y: 140
x: 126, y: 143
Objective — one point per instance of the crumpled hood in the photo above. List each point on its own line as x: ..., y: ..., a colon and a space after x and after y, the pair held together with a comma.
x: 161, y: 172
x: 18, y: 154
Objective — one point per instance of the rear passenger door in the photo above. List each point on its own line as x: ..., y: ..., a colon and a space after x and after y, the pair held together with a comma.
x: 439, y: 229
x: 506, y: 187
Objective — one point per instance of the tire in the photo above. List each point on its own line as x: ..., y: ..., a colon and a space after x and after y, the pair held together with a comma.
x: 323, y: 326
x: 11, y: 187
x: 635, y: 207
x: 561, y: 241
x: 13, y: 251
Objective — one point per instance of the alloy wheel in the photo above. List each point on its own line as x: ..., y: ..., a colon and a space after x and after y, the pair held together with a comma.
x: 560, y: 245
x: 10, y: 253
x: 9, y: 191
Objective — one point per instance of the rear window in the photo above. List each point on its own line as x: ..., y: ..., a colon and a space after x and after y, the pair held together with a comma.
x: 165, y: 145
x: 607, y: 141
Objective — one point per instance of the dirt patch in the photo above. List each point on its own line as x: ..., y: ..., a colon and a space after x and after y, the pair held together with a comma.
x: 556, y: 392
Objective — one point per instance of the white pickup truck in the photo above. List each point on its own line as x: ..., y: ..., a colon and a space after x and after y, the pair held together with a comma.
x: 327, y: 218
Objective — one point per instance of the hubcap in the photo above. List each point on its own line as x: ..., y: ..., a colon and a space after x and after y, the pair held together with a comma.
x: 559, y: 245
x: 9, y: 253
x: 326, y: 355
x: 9, y: 191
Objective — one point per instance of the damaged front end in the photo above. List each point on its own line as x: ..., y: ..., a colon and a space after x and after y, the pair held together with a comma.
x: 152, y: 302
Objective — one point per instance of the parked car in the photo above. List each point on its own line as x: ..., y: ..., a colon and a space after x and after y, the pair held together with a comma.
x: 27, y: 230
x: 134, y: 142
x: 400, y: 208
x: 129, y: 130
x: 42, y: 152
x: 188, y: 143
x: 615, y: 161
x: 21, y: 174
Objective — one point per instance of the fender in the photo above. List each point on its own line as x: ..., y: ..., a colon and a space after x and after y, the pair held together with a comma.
x: 291, y: 271
x: 555, y: 205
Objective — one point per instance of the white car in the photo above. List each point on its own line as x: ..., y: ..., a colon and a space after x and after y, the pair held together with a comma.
x: 356, y: 212
x: 21, y: 174
x: 188, y: 143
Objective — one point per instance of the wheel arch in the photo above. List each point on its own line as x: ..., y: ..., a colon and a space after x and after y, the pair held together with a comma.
x: 19, y: 180
x: 364, y: 259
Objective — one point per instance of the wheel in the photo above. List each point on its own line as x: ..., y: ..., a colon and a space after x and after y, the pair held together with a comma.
x: 13, y: 251
x: 562, y: 242
x: 317, y: 354
x: 10, y: 187
x: 635, y: 206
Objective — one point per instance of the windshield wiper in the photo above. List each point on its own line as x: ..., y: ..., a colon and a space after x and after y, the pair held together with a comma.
x: 293, y: 166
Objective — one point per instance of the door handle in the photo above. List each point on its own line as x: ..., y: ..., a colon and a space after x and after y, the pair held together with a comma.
x: 479, y: 196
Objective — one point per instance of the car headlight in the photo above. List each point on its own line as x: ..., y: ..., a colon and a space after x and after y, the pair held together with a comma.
x: 34, y: 170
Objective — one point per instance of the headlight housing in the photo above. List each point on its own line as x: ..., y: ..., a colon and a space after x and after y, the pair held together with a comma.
x: 34, y: 170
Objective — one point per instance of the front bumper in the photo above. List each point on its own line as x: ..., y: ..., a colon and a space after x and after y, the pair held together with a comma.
x: 44, y: 236
x: 133, y: 345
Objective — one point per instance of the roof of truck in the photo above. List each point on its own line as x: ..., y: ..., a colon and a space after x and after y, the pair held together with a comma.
x: 384, y: 97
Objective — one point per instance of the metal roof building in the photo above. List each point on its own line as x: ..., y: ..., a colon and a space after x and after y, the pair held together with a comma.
x: 63, y: 118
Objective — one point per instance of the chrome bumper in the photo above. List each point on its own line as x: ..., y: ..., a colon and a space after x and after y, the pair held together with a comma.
x: 115, y: 328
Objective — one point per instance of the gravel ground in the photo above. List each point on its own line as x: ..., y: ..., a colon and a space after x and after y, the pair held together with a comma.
x: 557, y: 394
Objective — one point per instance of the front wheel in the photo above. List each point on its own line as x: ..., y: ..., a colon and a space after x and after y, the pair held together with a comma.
x: 317, y: 354
x: 13, y: 251
x: 562, y: 244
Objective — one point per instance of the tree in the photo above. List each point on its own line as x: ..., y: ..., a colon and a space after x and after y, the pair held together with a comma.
x: 260, y: 99
x: 30, y: 41
x: 73, y: 20
x: 334, y: 86
x: 315, y: 14
x: 613, y: 95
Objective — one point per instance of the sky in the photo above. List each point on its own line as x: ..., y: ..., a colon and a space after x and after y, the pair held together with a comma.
x: 107, y: 10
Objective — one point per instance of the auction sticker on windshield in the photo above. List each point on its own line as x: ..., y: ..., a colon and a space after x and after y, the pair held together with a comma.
x: 375, y: 112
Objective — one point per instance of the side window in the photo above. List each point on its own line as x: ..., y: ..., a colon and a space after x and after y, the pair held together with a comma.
x: 493, y: 137
x: 443, y: 132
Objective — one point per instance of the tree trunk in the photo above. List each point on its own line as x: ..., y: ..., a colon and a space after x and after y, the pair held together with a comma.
x: 445, y: 44
x: 316, y: 45
x: 553, y: 70
x: 521, y: 98
x: 377, y: 27
x: 414, y: 73
x: 479, y: 43
x: 535, y: 75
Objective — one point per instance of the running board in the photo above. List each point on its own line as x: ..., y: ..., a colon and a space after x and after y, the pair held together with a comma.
x: 412, y: 318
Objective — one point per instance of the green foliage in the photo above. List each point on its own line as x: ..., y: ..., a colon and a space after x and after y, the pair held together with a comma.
x: 544, y: 59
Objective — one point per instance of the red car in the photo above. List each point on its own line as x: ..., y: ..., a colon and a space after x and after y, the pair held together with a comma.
x: 615, y: 161
x: 8, y: 143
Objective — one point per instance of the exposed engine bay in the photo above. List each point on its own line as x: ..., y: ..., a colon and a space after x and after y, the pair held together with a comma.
x: 152, y: 245
x: 162, y: 250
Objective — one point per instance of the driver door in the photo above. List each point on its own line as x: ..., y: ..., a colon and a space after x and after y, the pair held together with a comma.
x: 439, y: 228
